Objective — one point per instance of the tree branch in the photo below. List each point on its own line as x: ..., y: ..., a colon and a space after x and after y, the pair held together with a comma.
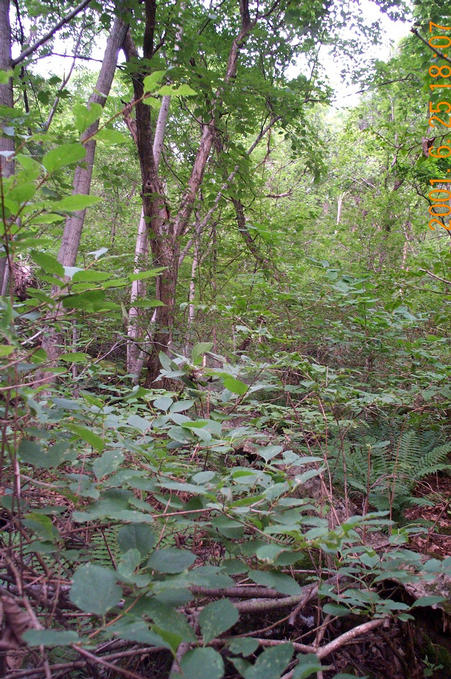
x: 32, y: 48
x: 439, y: 54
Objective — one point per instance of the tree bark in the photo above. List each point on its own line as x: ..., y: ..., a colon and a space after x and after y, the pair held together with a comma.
x: 6, y: 142
x: 70, y: 243
x: 138, y: 290
x: 166, y: 249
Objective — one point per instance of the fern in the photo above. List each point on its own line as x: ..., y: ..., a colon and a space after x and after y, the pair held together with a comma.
x: 390, y: 469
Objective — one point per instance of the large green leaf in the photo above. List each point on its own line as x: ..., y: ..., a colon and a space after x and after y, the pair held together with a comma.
x: 77, y: 201
x: 107, y: 463
x: 63, y: 155
x: 307, y: 666
x: 152, y: 81
x: 243, y: 645
x: 94, y: 589
x: 171, y: 560
x: 278, y: 581
x: 87, y: 435
x: 271, y: 663
x: 166, y: 618
x: 111, y: 136
x: 233, y: 385
x: 84, y: 116
x: 136, y: 536
x: 47, y: 262
x: 45, y: 457
x: 216, y: 618
x: 202, y: 663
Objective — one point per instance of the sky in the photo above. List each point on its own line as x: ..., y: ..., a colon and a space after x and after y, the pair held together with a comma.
x: 392, y: 32
x: 346, y: 95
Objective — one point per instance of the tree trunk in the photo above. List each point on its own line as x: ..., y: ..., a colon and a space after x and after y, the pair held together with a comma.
x: 70, y: 243
x: 6, y: 142
x: 138, y: 291
x: 166, y: 234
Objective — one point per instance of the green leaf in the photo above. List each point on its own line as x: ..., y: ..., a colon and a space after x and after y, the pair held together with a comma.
x: 336, y: 610
x: 63, y: 155
x: 5, y: 76
x: 180, y: 91
x: 84, y: 116
x: 216, y: 618
x: 171, y: 560
x: 88, y: 301
x: 47, y: 262
x: 111, y: 136
x: 89, y: 276
x: 45, y: 458
x: 31, y: 168
x: 202, y: 663
x: 144, y: 275
x: 77, y: 201
x: 166, y: 618
x: 151, y: 82
x: 50, y: 637
x: 107, y: 463
x: 308, y: 665
x: 87, y: 435
x: 94, y: 589
x: 234, y: 385
x: 271, y: 663
x: 181, y: 406
x: 136, y: 630
x: 243, y: 645
x: 41, y: 525
x: 22, y: 192
x: 163, y: 403
x: 75, y: 357
x: 6, y: 350
x: 428, y: 601
x: 199, y: 350
x: 136, y: 536
x: 278, y: 581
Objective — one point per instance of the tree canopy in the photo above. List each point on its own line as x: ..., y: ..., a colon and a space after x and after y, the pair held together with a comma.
x: 224, y: 402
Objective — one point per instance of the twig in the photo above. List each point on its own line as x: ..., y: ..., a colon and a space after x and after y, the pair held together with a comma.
x: 32, y: 48
x: 105, y: 663
x: 20, y: 674
x: 433, y: 275
x: 343, y: 639
x: 439, y: 54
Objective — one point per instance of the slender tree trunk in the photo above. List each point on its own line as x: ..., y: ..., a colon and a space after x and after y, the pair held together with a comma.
x: 166, y: 251
x: 135, y: 354
x: 6, y: 142
x: 166, y: 234
x: 70, y: 241
x: 138, y: 291
x: 83, y: 173
x: 340, y: 206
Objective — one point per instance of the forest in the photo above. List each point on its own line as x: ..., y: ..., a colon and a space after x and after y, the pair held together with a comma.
x: 224, y: 316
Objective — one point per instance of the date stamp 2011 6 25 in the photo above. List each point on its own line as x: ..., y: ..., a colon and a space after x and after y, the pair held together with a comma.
x: 440, y: 194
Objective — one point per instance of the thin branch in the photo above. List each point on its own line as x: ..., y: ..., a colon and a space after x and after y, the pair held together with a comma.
x: 65, y: 80
x: 226, y: 185
x: 433, y: 275
x: 439, y: 54
x: 105, y: 663
x: 32, y: 48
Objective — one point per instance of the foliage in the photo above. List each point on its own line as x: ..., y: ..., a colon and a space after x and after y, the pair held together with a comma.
x: 304, y: 395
